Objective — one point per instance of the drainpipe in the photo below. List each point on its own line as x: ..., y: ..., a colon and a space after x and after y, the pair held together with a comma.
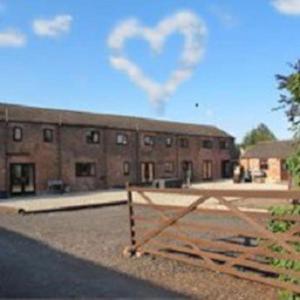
x: 137, y: 144
x: 105, y: 132
x: 177, y: 155
x: 59, y: 148
x: 6, y: 165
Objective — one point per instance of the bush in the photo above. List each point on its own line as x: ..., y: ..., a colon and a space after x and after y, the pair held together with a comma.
x: 281, y: 226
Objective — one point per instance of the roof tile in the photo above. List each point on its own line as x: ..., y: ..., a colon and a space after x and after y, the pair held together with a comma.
x: 19, y: 113
x: 271, y: 149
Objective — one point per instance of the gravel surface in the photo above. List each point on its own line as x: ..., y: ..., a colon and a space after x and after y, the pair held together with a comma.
x: 99, y: 236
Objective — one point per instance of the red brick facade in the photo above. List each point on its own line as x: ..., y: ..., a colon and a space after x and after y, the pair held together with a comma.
x: 275, y: 173
x: 270, y: 157
x: 57, y: 159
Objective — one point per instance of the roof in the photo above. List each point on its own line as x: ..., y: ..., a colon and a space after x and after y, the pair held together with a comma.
x: 271, y: 149
x: 19, y: 113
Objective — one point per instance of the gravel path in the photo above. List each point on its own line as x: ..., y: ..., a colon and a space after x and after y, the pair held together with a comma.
x: 99, y: 236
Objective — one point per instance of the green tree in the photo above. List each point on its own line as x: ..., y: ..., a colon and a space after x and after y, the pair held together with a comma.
x: 259, y: 134
x: 290, y: 102
x: 290, y: 98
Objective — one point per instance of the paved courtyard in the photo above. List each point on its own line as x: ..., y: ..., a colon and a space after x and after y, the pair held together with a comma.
x: 62, y: 202
x: 98, y: 198
x: 229, y: 185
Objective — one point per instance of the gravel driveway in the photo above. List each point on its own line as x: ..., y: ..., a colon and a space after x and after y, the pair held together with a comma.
x: 79, y: 254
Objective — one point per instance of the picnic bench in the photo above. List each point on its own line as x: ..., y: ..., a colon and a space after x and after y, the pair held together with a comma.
x: 57, y: 186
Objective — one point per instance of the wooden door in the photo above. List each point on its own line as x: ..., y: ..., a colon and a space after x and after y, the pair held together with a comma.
x: 284, y: 171
x: 207, y: 170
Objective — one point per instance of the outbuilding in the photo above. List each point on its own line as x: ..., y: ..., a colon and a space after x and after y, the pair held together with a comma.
x: 269, y: 157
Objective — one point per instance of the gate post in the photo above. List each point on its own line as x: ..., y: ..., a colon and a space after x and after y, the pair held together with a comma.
x: 128, y: 251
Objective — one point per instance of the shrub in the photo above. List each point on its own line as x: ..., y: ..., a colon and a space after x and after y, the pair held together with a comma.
x: 281, y: 226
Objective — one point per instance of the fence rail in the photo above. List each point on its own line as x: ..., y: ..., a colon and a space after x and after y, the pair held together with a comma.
x: 177, y: 224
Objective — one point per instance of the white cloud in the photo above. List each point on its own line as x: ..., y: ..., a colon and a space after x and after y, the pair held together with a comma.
x: 12, y: 38
x: 185, y: 23
x: 288, y: 7
x: 54, y: 27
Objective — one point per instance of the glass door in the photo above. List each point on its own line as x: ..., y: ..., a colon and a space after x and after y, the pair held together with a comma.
x: 22, y: 179
x: 147, y: 172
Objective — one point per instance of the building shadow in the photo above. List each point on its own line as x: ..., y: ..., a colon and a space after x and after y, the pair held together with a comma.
x: 31, y: 269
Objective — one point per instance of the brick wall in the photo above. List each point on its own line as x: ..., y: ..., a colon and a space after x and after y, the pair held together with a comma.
x: 216, y: 155
x: 274, y: 170
x: 32, y: 149
x: 273, y: 173
x: 75, y: 149
x: 117, y: 155
x: 58, y: 159
x: 250, y: 164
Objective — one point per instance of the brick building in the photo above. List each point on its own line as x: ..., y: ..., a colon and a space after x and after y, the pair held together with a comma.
x: 92, y: 151
x: 269, y: 157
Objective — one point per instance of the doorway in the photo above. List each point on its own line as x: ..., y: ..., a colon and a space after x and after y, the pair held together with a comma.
x: 187, y: 170
x: 284, y: 171
x: 226, y: 169
x: 147, y: 172
x: 22, y: 179
x: 207, y: 170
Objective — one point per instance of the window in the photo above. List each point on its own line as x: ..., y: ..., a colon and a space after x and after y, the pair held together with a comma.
x: 223, y: 145
x: 93, y: 137
x: 184, y: 143
x: 169, y: 141
x: 48, y: 135
x: 122, y: 139
x: 17, y: 134
x: 85, y: 169
x: 207, y: 144
x: 148, y: 140
x: 263, y: 164
x: 168, y: 167
x: 126, y: 168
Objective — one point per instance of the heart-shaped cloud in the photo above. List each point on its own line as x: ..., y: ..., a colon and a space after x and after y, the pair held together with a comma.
x: 186, y: 23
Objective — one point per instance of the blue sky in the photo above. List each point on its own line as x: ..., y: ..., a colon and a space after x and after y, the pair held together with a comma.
x: 55, y: 53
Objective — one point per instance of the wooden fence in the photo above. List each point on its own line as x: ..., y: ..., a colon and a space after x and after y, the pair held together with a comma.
x: 226, y: 238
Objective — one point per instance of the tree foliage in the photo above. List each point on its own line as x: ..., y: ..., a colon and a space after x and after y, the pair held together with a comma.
x: 259, y: 134
x: 290, y: 102
x: 293, y: 165
x: 283, y: 226
x: 290, y: 98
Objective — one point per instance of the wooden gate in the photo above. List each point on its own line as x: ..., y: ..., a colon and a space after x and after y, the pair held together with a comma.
x: 210, y: 228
